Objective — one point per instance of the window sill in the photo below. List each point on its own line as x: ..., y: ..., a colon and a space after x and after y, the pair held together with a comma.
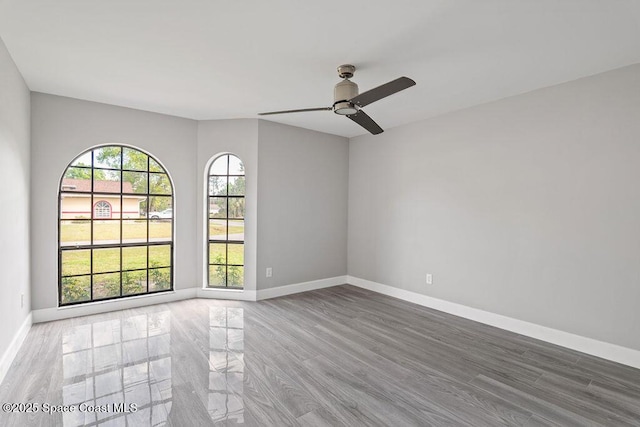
x: 114, y: 300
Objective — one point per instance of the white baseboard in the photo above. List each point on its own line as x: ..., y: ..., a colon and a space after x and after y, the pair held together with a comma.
x: 10, y: 353
x: 232, y: 294
x: 613, y: 352
x: 301, y: 287
x: 58, y: 313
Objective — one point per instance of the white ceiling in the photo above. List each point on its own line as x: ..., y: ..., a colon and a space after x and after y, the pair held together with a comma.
x: 215, y: 59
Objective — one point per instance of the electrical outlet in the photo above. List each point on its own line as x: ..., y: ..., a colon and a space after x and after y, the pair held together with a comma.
x: 429, y: 279
x: 269, y: 272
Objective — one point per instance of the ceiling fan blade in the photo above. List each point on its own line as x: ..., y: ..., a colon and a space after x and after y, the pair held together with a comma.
x: 383, y: 91
x: 366, y: 122
x: 296, y: 111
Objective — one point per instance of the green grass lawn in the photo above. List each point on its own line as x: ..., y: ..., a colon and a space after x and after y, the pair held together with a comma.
x: 217, y: 253
x: 216, y: 229
x: 80, y: 231
x: 77, y: 262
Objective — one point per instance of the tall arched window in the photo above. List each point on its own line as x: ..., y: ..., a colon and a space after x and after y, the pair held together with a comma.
x: 115, y: 226
x: 225, y: 231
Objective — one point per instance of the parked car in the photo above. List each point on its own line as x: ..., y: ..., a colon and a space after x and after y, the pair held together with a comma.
x: 165, y: 214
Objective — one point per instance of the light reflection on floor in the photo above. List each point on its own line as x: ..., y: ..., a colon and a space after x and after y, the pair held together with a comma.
x: 226, y: 364
x: 129, y: 360
x: 115, y: 362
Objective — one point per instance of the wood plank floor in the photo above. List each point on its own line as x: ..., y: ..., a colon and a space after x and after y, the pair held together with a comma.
x: 340, y: 356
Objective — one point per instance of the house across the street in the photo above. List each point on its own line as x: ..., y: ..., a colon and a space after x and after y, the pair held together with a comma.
x: 75, y: 203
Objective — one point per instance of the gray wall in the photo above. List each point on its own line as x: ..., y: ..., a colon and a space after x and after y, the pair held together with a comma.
x: 239, y: 137
x: 527, y: 207
x: 309, y: 244
x: 14, y: 197
x: 61, y: 129
x: 302, y: 205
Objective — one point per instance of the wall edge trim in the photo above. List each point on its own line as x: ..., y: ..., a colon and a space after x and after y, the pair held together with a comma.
x: 59, y: 313
x: 300, y: 287
x: 16, y: 343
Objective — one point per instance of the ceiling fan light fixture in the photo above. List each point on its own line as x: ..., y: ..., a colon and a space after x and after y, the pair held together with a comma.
x: 344, y: 108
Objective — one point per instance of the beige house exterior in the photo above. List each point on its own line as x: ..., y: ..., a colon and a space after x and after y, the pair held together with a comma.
x: 75, y: 204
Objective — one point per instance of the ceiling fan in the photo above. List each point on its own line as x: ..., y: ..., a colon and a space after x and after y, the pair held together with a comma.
x: 347, y: 101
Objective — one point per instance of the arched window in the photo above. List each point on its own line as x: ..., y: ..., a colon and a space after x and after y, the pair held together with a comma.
x: 225, y: 231
x: 102, y: 209
x: 109, y: 245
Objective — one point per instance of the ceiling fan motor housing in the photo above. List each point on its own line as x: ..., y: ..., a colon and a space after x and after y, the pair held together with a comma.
x: 342, y: 93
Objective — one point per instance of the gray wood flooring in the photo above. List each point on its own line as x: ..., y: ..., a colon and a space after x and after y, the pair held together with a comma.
x: 340, y: 356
